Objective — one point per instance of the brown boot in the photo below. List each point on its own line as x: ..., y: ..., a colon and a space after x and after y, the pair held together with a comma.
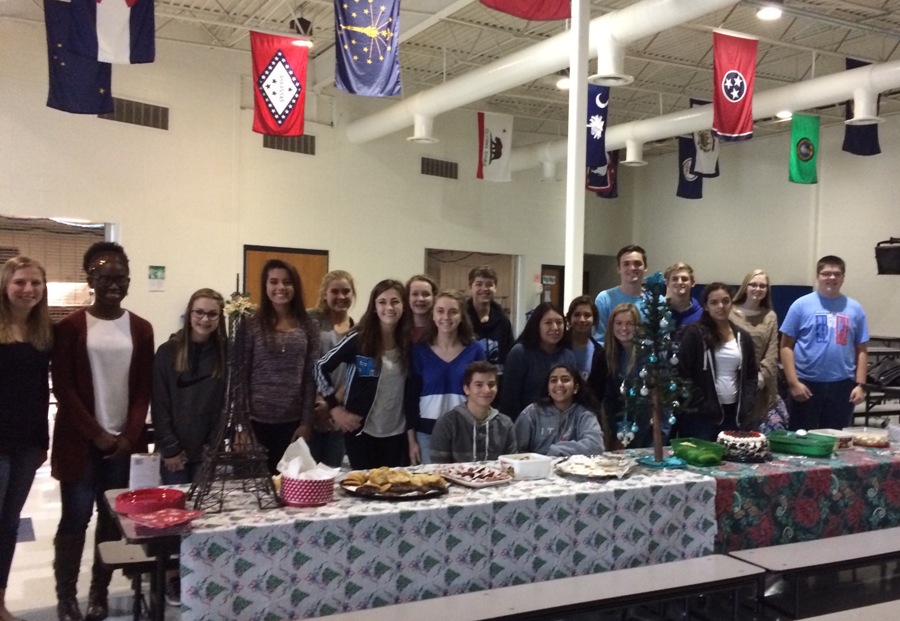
x: 66, y: 563
x: 98, y: 602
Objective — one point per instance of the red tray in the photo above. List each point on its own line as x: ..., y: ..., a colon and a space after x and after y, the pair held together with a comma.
x: 149, y: 500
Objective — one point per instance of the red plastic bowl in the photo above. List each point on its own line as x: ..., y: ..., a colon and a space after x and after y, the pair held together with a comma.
x: 149, y: 500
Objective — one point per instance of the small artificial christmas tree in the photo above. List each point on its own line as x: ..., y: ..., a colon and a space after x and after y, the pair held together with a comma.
x: 658, y: 387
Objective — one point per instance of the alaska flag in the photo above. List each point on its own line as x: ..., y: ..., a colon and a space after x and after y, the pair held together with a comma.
x: 734, y: 71
x: 597, y: 111
x: 537, y: 10
x: 279, y: 84
x: 706, y: 159
x: 689, y: 184
x: 804, y: 148
x: 367, y: 37
x: 859, y: 139
x: 77, y: 84
x: 114, y: 31
x: 604, y: 181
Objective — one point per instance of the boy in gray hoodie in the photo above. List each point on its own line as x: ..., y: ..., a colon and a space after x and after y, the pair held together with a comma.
x: 474, y: 431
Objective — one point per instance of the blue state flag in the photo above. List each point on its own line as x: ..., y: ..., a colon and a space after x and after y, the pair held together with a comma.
x: 77, y: 84
x: 689, y: 184
x: 367, y: 35
x: 597, y: 111
x: 859, y: 139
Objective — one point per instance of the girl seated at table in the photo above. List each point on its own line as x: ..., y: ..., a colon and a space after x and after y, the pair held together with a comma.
x: 474, y: 431
x: 563, y: 421
x: 376, y: 353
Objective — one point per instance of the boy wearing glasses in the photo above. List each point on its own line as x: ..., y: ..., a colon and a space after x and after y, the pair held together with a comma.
x: 823, y: 351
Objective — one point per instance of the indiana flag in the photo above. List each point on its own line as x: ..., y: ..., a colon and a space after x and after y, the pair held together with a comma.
x: 689, y: 184
x: 597, y: 113
x: 859, y: 139
x: 279, y: 84
x: 706, y: 145
x: 734, y: 71
x: 494, y: 146
x: 535, y: 10
x: 804, y: 148
x: 114, y: 31
x: 77, y: 84
x: 367, y: 35
x: 604, y: 180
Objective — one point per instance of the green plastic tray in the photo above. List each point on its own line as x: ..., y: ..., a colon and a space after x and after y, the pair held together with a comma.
x: 812, y: 444
x: 698, y: 452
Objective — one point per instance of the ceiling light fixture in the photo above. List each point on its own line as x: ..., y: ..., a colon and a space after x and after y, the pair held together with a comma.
x: 784, y: 115
x: 563, y: 82
x: 770, y: 10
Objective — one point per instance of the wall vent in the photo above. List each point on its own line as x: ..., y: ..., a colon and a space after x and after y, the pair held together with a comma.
x: 440, y: 168
x: 305, y: 145
x: 138, y: 113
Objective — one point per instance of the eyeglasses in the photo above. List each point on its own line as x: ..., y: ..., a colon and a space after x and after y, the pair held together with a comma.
x: 199, y: 313
x: 106, y: 281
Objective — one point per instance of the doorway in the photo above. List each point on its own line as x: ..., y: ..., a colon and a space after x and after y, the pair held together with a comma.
x: 312, y: 265
x: 553, y: 284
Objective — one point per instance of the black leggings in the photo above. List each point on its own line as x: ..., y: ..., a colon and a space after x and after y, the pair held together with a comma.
x: 275, y: 438
x: 365, y: 451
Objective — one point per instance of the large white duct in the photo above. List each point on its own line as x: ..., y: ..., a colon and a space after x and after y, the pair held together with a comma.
x: 830, y: 89
x: 622, y: 27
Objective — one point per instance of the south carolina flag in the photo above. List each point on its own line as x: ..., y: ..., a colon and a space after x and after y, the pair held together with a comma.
x: 734, y: 71
x: 279, y: 84
x: 113, y: 31
x: 494, y: 145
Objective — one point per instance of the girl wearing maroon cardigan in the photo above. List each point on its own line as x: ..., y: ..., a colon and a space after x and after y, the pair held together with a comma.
x: 102, y: 366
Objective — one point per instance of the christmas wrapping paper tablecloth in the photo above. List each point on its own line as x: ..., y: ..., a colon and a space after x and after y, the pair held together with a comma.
x: 354, y: 553
x: 795, y: 498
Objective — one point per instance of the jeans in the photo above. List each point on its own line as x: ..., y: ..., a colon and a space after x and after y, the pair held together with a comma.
x: 327, y: 447
x: 829, y: 407
x: 424, y: 441
x: 180, y: 477
x: 16, y: 475
x: 78, y: 497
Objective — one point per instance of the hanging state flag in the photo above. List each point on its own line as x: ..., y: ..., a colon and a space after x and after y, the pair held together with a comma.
x: 279, y: 84
x: 534, y: 10
x: 689, y: 184
x: 597, y: 112
x: 77, y: 84
x: 804, y: 148
x: 114, y: 31
x: 367, y: 36
x: 734, y: 71
x: 859, y: 139
x: 494, y: 146
x: 706, y: 159
x: 604, y: 180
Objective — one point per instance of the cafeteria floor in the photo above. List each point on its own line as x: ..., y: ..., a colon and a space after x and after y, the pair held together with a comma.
x: 30, y: 592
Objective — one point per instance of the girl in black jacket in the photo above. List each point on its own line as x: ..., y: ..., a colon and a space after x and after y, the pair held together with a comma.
x: 718, y: 358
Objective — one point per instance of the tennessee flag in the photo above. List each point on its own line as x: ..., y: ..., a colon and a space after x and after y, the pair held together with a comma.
x: 113, y: 31
x: 279, y: 84
x: 537, y: 10
x: 734, y: 70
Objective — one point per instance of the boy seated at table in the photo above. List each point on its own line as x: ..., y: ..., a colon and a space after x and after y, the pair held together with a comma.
x: 474, y: 431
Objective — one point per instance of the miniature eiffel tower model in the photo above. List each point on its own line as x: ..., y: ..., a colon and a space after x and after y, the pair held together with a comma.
x: 235, y: 462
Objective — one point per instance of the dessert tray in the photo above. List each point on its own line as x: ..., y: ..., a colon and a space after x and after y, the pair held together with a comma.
x: 393, y: 484
x: 476, y: 476
x: 597, y: 466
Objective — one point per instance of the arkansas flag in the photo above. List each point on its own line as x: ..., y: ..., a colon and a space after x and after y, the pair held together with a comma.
x: 734, y: 70
x: 279, y: 81
x: 113, y: 31
x: 494, y: 145
x: 538, y: 10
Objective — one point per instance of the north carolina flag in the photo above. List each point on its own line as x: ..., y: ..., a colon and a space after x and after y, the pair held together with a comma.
x: 77, y: 84
x: 494, y: 146
x: 734, y: 71
x: 597, y: 113
x: 535, y: 10
x: 367, y: 35
x: 279, y: 84
x: 706, y: 158
x: 114, y: 31
x: 689, y: 184
x: 859, y: 139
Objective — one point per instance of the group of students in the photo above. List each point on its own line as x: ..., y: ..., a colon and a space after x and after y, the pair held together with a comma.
x: 424, y: 376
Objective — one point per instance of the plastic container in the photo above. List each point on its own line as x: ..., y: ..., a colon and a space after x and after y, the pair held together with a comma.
x: 698, y: 452
x: 842, y: 439
x: 870, y: 437
x: 149, y: 500
x: 528, y: 465
x: 306, y: 492
x: 812, y: 445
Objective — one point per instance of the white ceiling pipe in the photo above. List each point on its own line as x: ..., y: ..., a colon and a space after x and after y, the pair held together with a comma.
x: 548, y: 170
x: 422, y: 130
x: 865, y: 108
x: 826, y: 90
x: 629, y: 24
x: 610, y: 62
x: 634, y: 154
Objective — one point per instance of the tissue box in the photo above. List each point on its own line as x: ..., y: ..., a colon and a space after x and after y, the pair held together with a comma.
x: 306, y: 492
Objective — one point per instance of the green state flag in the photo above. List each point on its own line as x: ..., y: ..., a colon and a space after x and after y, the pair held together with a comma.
x: 804, y: 148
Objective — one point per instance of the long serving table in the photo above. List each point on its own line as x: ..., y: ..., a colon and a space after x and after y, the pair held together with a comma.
x: 355, y: 554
